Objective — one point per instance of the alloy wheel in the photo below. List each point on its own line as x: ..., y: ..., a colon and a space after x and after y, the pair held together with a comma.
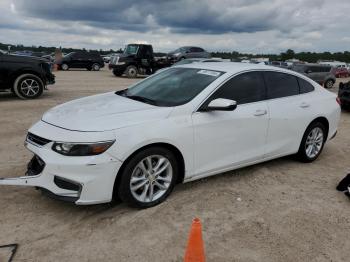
x: 151, y: 178
x: 30, y: 87
x: 314, y: 142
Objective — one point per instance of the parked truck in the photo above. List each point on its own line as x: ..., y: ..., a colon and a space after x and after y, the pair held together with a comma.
x: 137, y: 59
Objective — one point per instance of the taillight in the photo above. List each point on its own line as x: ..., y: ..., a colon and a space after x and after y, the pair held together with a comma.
x: 338, y: 101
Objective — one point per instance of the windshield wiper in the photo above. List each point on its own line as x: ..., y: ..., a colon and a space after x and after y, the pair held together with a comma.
x: 121, y: 92
x: 142, y: 99
x: 146, y: 100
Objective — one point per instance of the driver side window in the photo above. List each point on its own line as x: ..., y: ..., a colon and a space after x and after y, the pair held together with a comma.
x: 244, y: 88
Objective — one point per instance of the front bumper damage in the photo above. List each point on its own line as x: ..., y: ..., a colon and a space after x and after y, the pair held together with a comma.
x: 82, y: 180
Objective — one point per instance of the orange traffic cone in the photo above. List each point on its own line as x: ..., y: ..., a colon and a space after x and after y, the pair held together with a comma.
x: 195, y: 246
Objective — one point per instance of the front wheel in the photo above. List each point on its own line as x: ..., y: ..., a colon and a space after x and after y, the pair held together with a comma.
x: 329, y: 83
x: 148, y: 178
x: 312, y: 143
x: 131, y: 71
x: 96, y: 67
x: 28, y: 86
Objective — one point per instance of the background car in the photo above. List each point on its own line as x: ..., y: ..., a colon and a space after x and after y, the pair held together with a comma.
x: 25, y: 76
x: 321, y: 74
x: 107, y: 58
x: 81, y: 59
x: 188, y: 52
x: 340, y: 72
x: 279, y: 64
x: 344, y: 95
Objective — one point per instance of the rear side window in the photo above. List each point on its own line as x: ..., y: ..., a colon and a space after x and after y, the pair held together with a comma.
x: 280, y: 85
x: 305, y: 86
x: 244, y: 88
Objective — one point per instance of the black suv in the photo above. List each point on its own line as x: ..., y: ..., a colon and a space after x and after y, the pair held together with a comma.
x: 81, y: 59
x: 25, y: 76
x: 344, y: 95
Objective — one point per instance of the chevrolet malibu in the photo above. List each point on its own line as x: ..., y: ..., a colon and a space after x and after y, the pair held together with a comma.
x: 182, y: 124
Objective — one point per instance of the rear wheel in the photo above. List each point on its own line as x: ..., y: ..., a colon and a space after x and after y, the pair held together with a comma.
x: 64, y: 67
x: 131, y: 71
x: 312, y: 143
x: 329, y: 83
x: 28, y: 86
x: 148, y: 178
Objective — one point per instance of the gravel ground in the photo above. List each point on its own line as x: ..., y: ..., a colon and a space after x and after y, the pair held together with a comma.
x: 281, y: 210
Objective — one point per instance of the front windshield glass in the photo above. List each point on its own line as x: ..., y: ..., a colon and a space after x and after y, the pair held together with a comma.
x: 172, y: 87
x: 131, y: 49
x: 185, y: 61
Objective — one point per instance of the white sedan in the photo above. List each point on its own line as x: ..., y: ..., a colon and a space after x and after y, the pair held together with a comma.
x: 179, y: 125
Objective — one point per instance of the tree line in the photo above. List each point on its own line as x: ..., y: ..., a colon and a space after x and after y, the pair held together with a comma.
x: 311, y: 57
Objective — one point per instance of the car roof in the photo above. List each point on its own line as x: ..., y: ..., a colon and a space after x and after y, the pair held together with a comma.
x: 233, y: 67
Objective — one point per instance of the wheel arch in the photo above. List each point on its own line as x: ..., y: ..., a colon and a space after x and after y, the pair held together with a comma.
x: 18, y: 73
x: 172, y: 148
x: 323, y: 120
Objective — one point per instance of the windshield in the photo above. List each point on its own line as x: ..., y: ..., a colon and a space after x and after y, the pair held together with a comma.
x: 172, y: 87
x: 131, y: 49
x: 186, y: 61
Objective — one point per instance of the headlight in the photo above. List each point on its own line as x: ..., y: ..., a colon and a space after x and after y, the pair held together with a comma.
x: 87, y: 149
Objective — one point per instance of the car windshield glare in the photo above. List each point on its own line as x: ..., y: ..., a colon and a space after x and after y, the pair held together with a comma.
x: 172, y: 87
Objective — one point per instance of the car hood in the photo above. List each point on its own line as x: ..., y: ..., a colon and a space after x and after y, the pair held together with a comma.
x: 102, y: 113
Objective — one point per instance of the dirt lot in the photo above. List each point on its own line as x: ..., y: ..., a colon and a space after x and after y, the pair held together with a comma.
x: 277, y: 211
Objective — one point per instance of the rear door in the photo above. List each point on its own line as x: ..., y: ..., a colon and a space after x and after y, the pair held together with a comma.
x: 290, y: 112
x: 316, y: 73
x: 225, y: 139
x: 78, y: 60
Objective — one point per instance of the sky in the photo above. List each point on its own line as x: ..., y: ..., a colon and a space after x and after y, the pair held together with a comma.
x: 250, y: 26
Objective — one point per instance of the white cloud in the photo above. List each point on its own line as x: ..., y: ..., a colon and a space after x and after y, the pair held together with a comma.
x: 243, y: 25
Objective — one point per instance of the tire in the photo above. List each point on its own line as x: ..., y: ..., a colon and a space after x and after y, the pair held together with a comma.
x: 312, y: 143
x: 96, y: 67
x: 329, y: 83
x: 64, y: 67
x: 28, y: 86
x: 131, y: 71
x: 117, y: 73
x: 145, y: 178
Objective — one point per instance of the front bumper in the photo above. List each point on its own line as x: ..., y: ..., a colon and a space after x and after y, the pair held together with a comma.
x: 82, y: 180
x: 50, y: 79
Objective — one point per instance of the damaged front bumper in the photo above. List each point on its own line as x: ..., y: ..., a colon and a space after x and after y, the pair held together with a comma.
x: 82, y: 180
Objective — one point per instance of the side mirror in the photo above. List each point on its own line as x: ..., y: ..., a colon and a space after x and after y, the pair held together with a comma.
x: 187, y: 51
x: 308, y: 71
x: 221, y: 104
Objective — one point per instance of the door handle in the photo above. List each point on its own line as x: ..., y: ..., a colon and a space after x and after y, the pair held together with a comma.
x: 304, y: 105
x: 260, y: 112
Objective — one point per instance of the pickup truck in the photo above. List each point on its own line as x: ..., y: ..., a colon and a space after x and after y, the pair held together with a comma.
x: 137, y: 59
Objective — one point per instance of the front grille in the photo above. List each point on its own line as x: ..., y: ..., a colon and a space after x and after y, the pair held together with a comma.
x: 114, y: 60
x: 31, y: 138
x: 35, y: 166
x: 64, y: 184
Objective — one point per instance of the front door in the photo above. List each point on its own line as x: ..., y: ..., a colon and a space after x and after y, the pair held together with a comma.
x: 226, y: 139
